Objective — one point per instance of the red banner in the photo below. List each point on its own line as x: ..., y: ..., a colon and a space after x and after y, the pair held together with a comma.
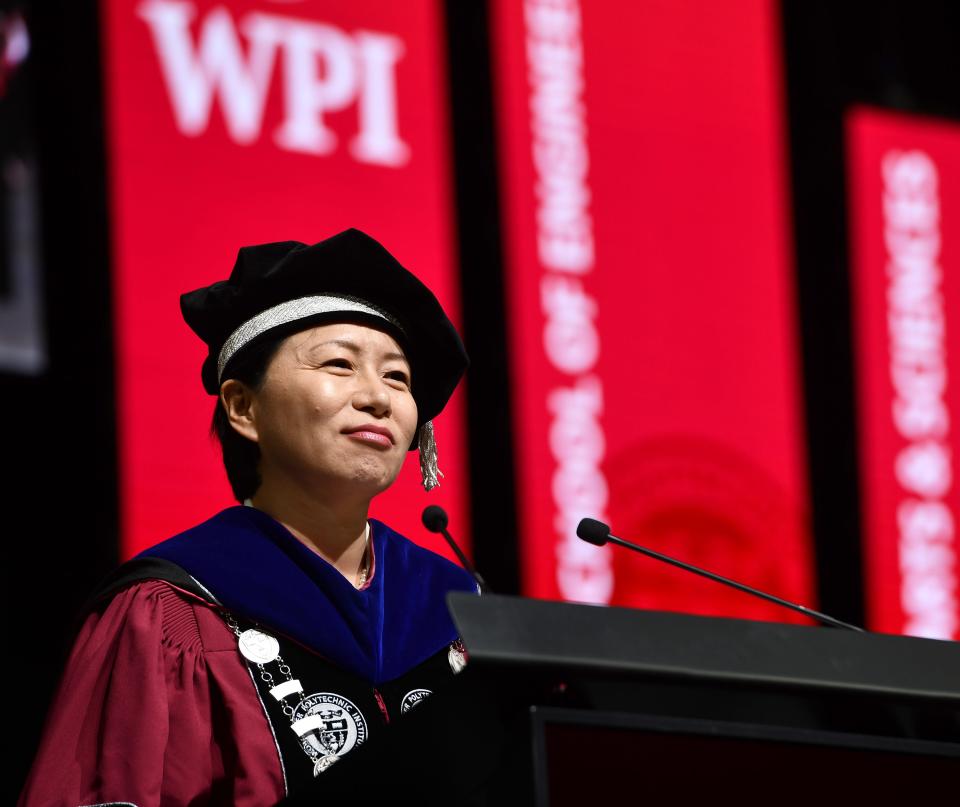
x: 905, y: 225
x: 240, y: 122
x: 652, y: 309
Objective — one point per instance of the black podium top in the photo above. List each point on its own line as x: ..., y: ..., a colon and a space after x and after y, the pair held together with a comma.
x: 535, y: 634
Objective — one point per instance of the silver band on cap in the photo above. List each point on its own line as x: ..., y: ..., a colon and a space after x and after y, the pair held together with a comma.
x: 290, y: 311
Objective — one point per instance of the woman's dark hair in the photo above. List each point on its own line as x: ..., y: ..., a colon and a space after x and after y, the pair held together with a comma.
x: 241, y: 457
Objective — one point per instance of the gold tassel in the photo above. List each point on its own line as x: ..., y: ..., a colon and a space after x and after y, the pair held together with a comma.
x: 429, y: 470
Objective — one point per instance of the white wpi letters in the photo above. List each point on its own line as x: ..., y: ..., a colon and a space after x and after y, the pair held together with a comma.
x: 324, y: 69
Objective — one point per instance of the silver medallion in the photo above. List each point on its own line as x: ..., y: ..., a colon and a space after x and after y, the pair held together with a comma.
x: 328, y: 726
x: 258, y: 647
x: 323, y: 763
x: 457, y: 657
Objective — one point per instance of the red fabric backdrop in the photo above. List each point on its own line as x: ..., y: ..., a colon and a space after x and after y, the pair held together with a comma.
x: 905, y: 224
x: 231, y: 123
x: 655, y: 357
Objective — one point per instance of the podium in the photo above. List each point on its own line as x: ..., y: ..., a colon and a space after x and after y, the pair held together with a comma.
x: 563, y: 704
x: 616, y: 702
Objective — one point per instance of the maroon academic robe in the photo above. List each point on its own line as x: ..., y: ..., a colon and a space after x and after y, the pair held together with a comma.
x: 156, y: 707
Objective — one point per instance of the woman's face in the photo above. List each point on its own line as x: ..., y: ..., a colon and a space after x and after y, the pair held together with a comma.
x: 335, y: 406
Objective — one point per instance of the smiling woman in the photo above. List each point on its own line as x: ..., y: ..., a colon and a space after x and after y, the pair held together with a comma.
x: 335, y: 412
x: 266, y: 643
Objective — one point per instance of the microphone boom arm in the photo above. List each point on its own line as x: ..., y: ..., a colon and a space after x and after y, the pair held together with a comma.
x: 597, y: 533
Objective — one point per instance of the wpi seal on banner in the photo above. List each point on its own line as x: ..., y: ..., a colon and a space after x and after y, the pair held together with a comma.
x: 709, y: 504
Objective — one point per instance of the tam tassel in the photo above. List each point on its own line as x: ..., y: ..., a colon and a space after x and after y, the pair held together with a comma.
x: 429, y: 470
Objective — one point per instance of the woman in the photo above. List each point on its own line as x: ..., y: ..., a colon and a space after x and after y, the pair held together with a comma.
x: 237, y: 661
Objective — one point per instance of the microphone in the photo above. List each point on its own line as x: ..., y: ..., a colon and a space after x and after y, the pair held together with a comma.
x: 435, y: 519
x: 597, y: 533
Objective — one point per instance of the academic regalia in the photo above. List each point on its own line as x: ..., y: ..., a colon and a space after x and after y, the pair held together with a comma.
x: 158, y: 706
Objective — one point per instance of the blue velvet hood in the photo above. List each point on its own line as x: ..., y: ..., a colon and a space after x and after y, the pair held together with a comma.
x: 256, y: 568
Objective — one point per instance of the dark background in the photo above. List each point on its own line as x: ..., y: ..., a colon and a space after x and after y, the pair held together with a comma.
x: 61, y: 496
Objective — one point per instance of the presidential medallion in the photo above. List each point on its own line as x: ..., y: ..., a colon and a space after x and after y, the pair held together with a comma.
x: 328, y: 726
x: 258, y: 647
x: 323, y: 763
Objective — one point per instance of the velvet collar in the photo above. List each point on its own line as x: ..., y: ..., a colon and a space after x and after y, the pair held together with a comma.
x: 257, y: 568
